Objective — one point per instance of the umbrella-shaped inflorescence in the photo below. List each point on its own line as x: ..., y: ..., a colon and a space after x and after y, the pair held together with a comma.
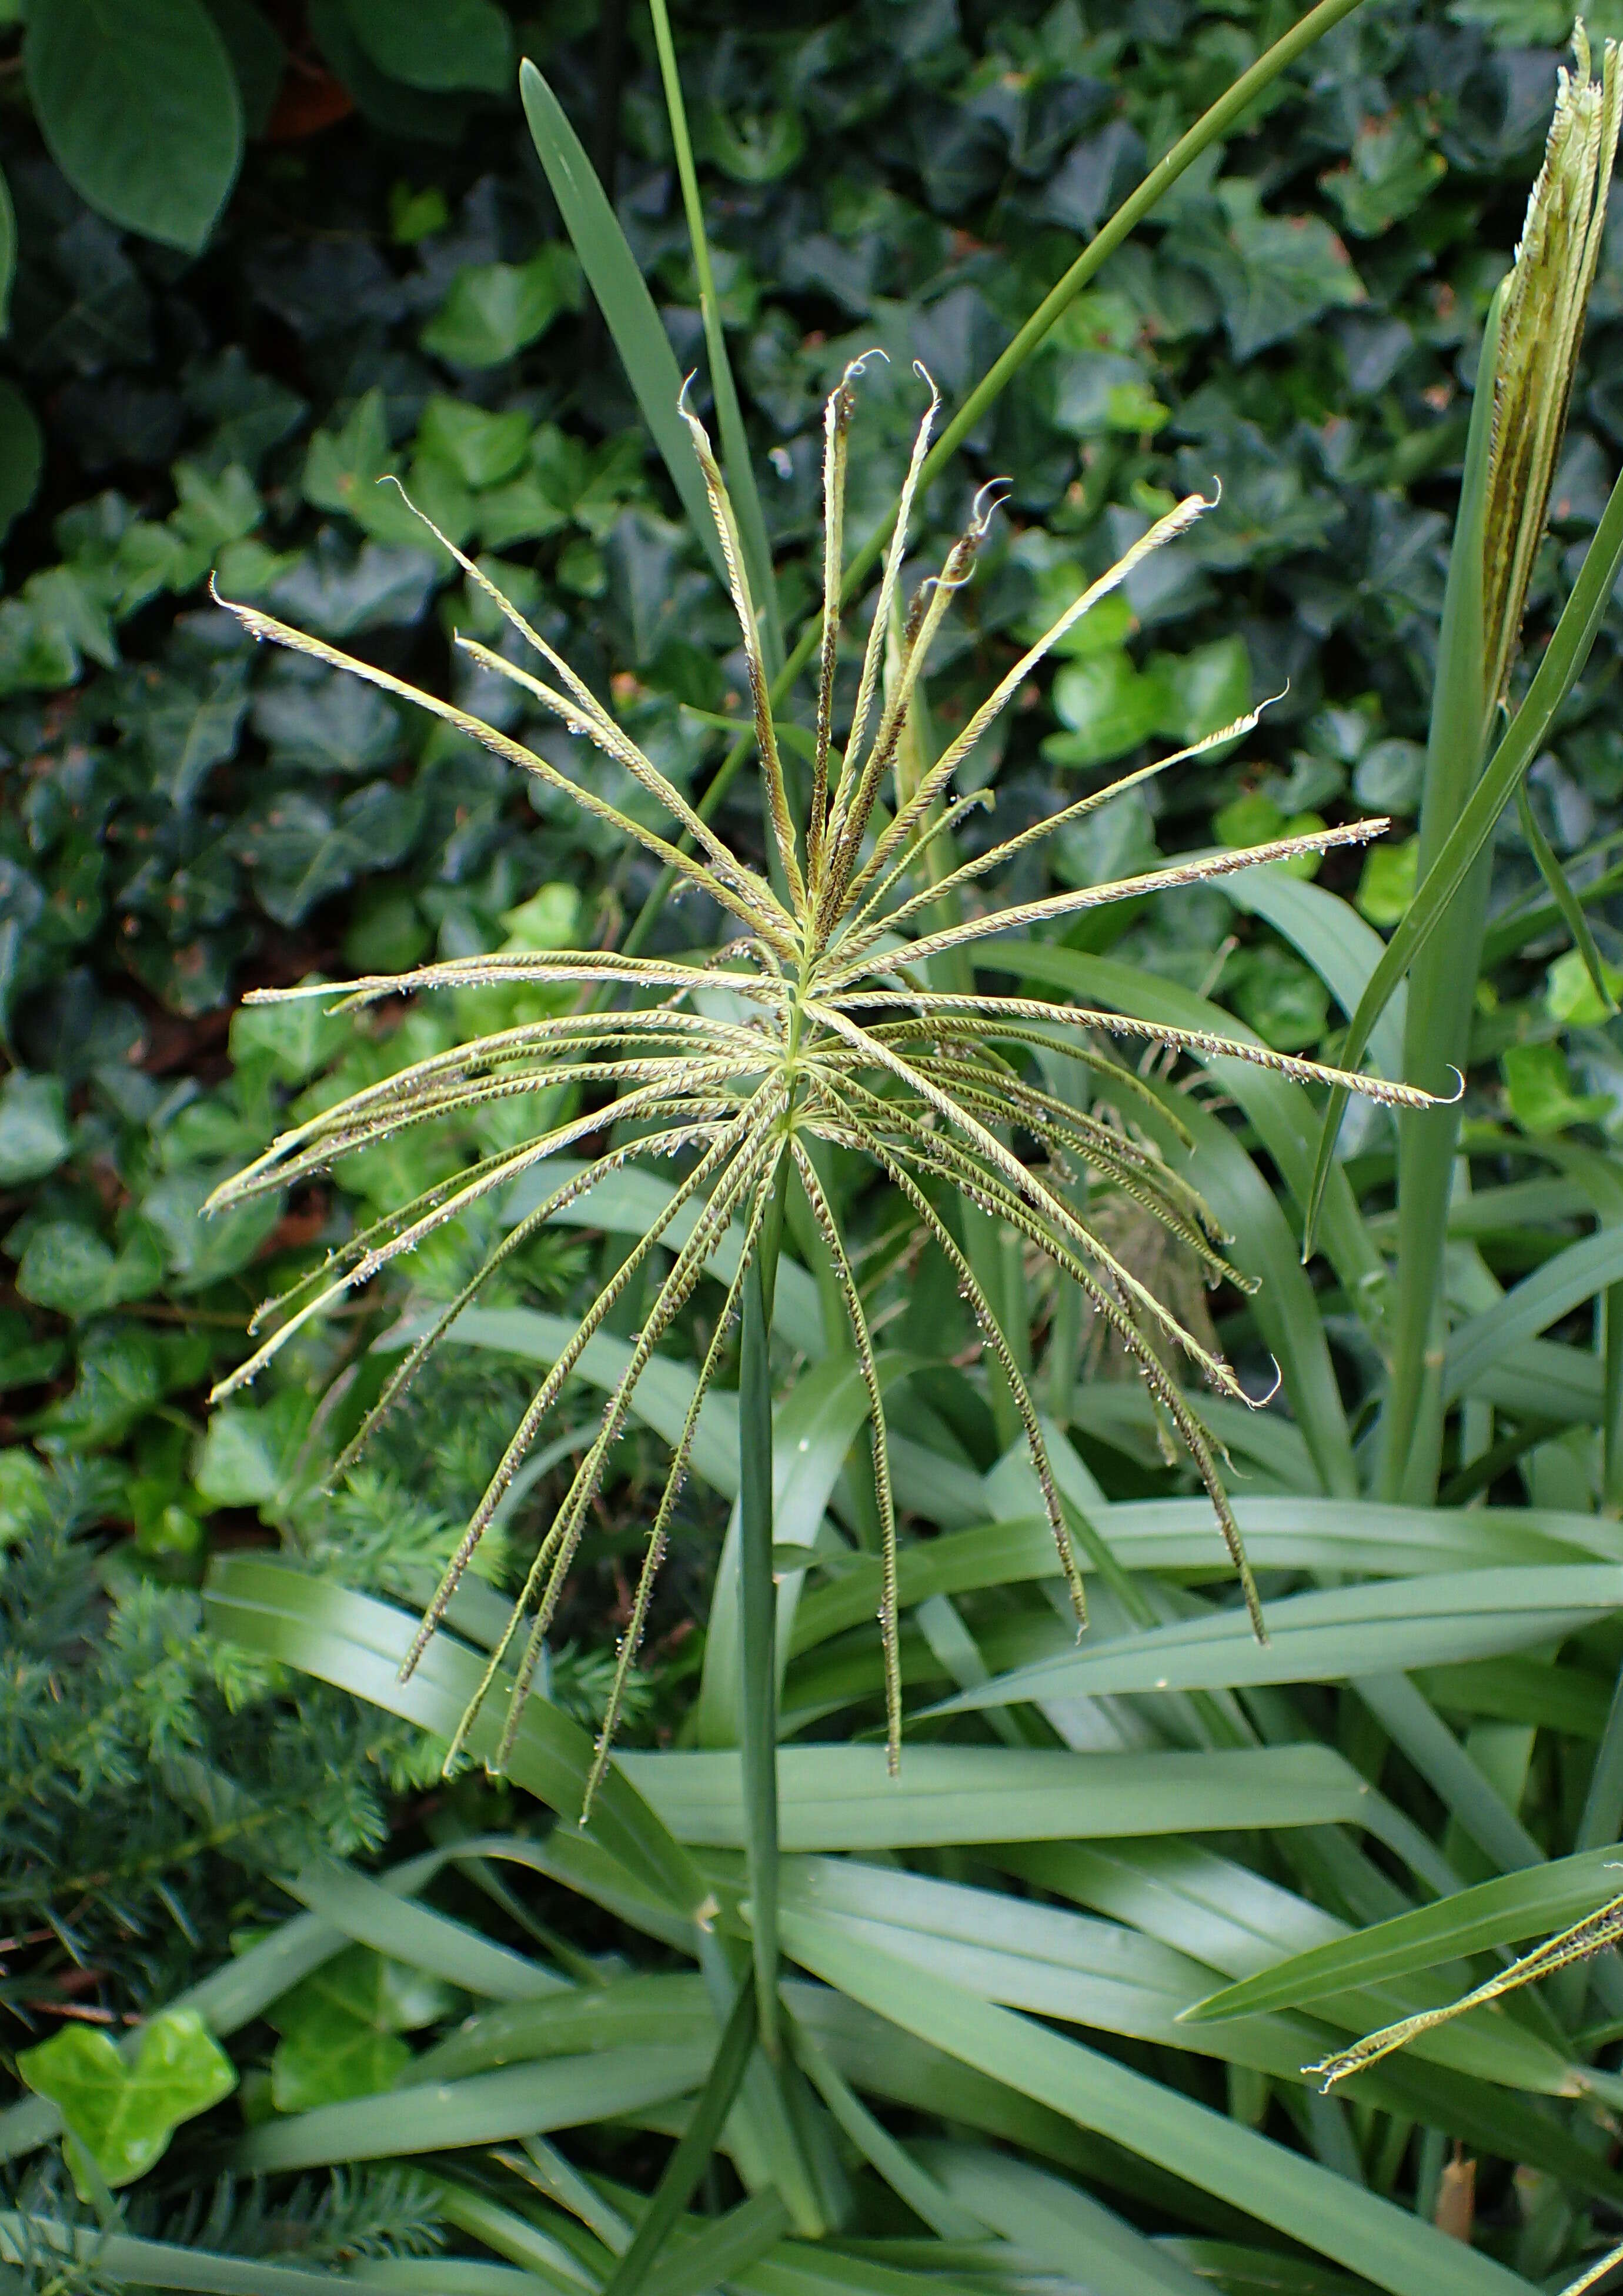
x: 839, y: 1033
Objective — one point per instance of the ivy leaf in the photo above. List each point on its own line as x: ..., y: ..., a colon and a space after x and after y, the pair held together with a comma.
x: 1391, y: 170
x: 185, y: 726
x: 342, y: 467
x: 337, y: 2060
x: 341, y: 2028
x: 482, y: 449
x: 336, y: 591
x: 494, y: 309
x: 34, y: 1135
x: 1387, y: 883
x: 1254, y: 818
x: 1207, y: 687
x: 250, y: 1449
x: 22, y: 452
x: 1538, y: 1084
x: 1275, y: 274
x: 25, y: 1361
x: 123, y: 2115
x: 758, y: 149
x: 139, y: 107
x: 296, y: 1039
x: 201, y: 1251
x: 69, y: 1267
x: 301, y: 852
x: 122, y: 1372
x: 1109, y: 705
x: 327, y: 724
x: 1570, y: 994
x: 1287, y: 1005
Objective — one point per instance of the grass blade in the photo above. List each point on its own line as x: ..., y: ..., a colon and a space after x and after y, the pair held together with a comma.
x: 359, y: 1644
x: 1326, y: 2213
x: 1498, y: 1912
x: 679, y: 2180
x: 622, y: 295
x: 842, y: 1796
x: 1566, y: 900
x: 1562, y: 664
x: 1324, y: 1636
x: 1562, y: 1283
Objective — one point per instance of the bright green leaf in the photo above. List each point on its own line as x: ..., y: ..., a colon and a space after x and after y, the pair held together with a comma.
x: 250, y: 1449
x: 1570, y: 994
x: 494, y: 309
x: 1109, y: 705
x: 1387, y: 883
x: 124, y: 2113
x: 139, y: 107
x: 295, y: 1039
x: 481, y: 449
x: 1539, y: 1086
x: 69, y: 1267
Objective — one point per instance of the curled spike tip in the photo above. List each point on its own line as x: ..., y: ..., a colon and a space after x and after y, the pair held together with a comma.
x: 988, y: 501
x: 1261, y: 1402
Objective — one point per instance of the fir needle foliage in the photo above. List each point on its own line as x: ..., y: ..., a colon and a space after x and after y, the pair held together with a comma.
x: 844, y: 1040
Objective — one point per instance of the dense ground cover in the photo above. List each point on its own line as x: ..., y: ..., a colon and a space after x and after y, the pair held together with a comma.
x: 389, y: 287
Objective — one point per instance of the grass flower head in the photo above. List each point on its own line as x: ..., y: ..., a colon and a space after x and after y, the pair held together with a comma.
x: 844, y: 1036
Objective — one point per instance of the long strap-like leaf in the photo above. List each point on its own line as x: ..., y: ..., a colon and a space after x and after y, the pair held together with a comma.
x: 1562, y: 665
x: 622, y: 296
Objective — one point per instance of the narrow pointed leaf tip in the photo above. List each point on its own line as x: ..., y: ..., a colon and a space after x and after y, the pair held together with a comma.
x: 844, y: 1047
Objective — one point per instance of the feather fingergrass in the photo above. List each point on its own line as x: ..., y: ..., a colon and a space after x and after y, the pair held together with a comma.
x: 839, y: 1038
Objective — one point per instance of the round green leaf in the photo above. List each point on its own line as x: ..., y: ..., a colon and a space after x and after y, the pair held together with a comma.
x: 437, y: 45
x: 139, y: 107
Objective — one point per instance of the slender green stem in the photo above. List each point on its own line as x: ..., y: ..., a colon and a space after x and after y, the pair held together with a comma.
x: 1206, y: 131
x: 686, y: 2165
x: 758, y: 1696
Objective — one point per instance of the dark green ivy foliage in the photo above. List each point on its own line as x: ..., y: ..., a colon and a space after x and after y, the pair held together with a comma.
x: 181, y: 818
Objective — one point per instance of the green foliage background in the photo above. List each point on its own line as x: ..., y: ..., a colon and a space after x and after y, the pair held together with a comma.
x: 220, y: 381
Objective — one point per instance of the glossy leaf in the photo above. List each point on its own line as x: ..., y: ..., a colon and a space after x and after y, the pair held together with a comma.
x: 139, y: 107
x: 123, y: 2114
